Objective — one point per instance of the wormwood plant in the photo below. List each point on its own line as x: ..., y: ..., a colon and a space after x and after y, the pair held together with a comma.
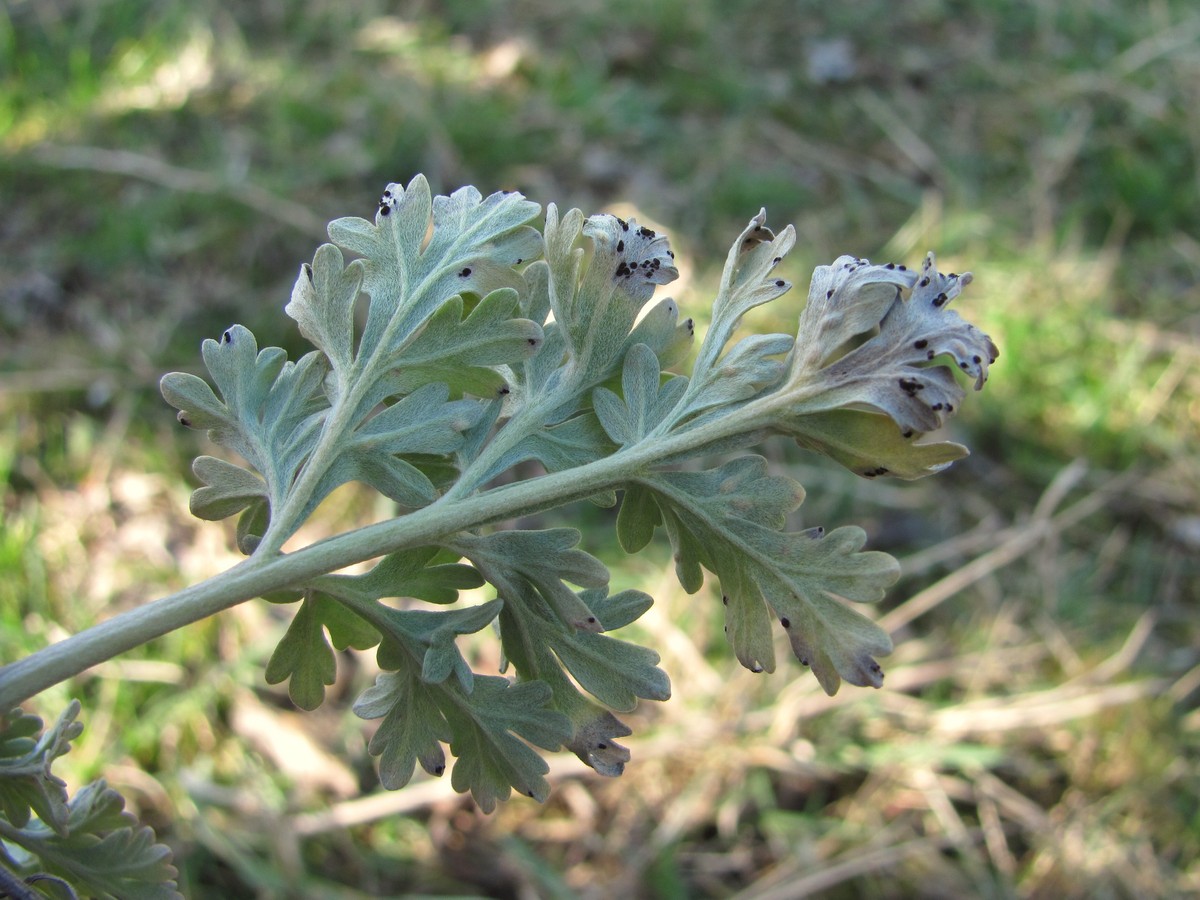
x: 488, y: 342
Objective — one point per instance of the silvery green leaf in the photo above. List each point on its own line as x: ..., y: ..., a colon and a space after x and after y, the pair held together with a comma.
x: 102, y: 850
x: 545, y: 560
x: 474, y: 244
x: 228, y: 488
x: 425, y: 638
x: 419, y: 573
x: 593, y: 727
x: 749, y: 368
x: 423, y: 422
x: 729, y: 520
x: 322, y: 304
x: 637, y: 518
x: 413, y: 728
x: 27, y: 786
x: 870, y: 444
x: 661, y: 331
x: 464, y: 353
x: 304, y: 659
x: 747, y: 281
x: 574, y: 442
x: 895, y: 371
x: 596, y: 305
x: 543, y: 615
x: 615, y: 672
x: 486, y: 730
x: 270, y: 413
x: 845, y: 300
x: 643, y: 403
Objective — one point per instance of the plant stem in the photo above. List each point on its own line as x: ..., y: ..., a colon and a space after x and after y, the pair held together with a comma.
x: 262, y: 573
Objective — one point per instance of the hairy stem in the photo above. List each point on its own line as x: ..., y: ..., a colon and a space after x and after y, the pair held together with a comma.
x: 264, y: 573
x: 261, y: 574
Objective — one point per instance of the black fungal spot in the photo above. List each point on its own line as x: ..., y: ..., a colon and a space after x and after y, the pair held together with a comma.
x: 785, y: 622
x: 646, y: 232
x: 438, y: 770
x: 977, y: 359
x: 902, y: 268
x: 308, y: 271
x: 829, y: 294
x: 620, y: 246
x: 601, y: 746
x: 591, y: 620
x: 227, y: 337
x: 518, y: 262
x: 184, y: 421
x: 725, y: 600
x: 505, y: 391
x: 777, y: 260
x: 924, y: 282
x: 940, y: 300
x: 779, y: 282
x: 532, y: 342
x: 803, y: 661
x: 624, y: 224
x: 907, y: 434
x: 385, y: 210
x: 465, y: 272
x: 890, y: 266
x: 921, y: 344
x: 671, y: 253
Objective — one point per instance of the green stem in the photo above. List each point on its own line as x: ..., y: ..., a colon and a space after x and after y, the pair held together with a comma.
x: 263, y: 573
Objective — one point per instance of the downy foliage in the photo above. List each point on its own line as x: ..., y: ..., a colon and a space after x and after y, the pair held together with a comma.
x: 487, y: 341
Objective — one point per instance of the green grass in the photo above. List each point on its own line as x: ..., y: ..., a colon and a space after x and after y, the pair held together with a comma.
x: 164, y: 170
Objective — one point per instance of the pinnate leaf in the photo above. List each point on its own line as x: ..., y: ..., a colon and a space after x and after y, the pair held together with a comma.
x: 464, y: 353
x: 412, y: 731
x: 103, y: 851
x: 545, y: 560
x: 902, y: 325
x: 322, y: 304
x: 27, y: 785
x: 474, y: 244
x: 729, y: 520
x: 644, y: 402
x: 304, y: 657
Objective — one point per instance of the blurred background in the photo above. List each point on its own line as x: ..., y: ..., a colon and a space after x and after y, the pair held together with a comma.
x: 165, y: 168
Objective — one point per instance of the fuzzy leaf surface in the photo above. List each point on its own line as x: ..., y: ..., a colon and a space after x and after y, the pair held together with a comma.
x: 27, y: 786
x: 103, y: 851
x: 870, y: 339
x: 269, y: 412
x: 729, y: 520
x: 475, y: 243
